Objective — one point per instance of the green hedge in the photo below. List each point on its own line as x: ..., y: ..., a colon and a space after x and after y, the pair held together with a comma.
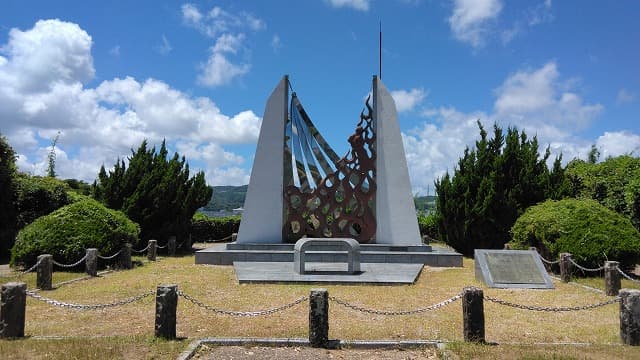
x: 205, y: 228
x: 67, y: 232
x: 589, y: 231
x: 428, y: 225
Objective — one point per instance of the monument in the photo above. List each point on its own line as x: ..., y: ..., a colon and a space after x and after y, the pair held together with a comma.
x: 511, y: 269
x: 301, y: 189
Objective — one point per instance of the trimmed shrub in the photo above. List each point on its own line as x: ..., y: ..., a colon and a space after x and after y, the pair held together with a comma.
x: 589, y: 231
x: 205, y: 228
x: 38, y: 196
x: 67, y: 232
x: 428, y: 225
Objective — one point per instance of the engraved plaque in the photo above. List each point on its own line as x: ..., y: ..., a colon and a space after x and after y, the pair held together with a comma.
x: 511, y: 269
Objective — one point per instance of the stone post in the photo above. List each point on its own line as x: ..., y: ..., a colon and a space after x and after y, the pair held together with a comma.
x: 425, y: 239
x: 234, y: 237
x: 166, y: 305
x: 630, y: 316
x: 533, y: 248
x: 473, y: 314
x: 565, y: 267
x: 125, y: 257
x: 611, y: 278
x: 171, y: 245
x: 187, y: 243
x: 13, y: 301
x: 319, y: 318
x: 153, y: 250
x: 45, y: 272
x: 91, y: 262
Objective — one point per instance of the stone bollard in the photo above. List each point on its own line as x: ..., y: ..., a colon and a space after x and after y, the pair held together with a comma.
x: 533, y: 248
x: 125, y: 257
x: 565, y: 267
x: 91, y: 262
x: 153, y: 250
x: 171, y: 245
x: 473, y: 314
x: 425, y: 239
x: 13, y: 301
x: 630, y: 316
x: 45, y: 272
x: 166, y: 305
x: 319, y: 318
x: 234, y: 237
x: 611, y: 278
x: 187, y: 244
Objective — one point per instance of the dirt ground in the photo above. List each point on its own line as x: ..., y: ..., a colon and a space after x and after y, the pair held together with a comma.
x: 296, y: 353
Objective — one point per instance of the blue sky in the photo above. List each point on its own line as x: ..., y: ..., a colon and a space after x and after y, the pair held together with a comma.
x: 107, y: 75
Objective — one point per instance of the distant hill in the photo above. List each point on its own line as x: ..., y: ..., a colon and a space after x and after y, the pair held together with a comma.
x: 226, y: 198
x: 232, y: 197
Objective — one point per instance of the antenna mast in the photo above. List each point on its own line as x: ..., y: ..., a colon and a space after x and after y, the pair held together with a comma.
x: 380, y: 53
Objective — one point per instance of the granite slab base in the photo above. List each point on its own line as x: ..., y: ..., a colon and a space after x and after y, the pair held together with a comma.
x: 321, y: 272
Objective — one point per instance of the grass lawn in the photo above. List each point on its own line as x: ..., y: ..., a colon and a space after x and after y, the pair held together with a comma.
x: 127, y: 331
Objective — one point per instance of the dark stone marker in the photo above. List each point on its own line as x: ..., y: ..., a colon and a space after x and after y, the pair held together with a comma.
x: 234, y: 237
x: 630, y: 316
x: 473, y: 314
x: 45, y: 272
x: 125, y: 257
x: 565, y: 267
x: 171, y: 245
x: 611, y: 278
x: 13, y: 301
x: 425, y: 239
x: 187, y: 244
x: 153, y: 250
x: 91, y: 262
x: 166, y: 305
x: 319, y: 318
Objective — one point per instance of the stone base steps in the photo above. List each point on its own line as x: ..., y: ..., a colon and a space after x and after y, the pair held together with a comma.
x: 226, y: 254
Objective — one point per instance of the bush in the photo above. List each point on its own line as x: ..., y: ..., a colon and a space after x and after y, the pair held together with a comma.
x: 8, y: 209
x: 428, y: 225
x: 37, y: 196
x: 67, y: 232
x: 589, y: 231
x: 205, y: 228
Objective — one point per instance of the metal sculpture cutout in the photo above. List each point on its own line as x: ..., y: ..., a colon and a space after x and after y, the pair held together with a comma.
x: 326, y: 196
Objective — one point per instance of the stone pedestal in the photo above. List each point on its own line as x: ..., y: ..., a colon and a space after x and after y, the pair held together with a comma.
x: 473, y: 314
x: 565, y: 267
x: 630, y: 316
x: 13, y: 300
x: 166, y: 305
x: 319, y: 318
x: 611, y: 278
x: 44, y: 272
x: 125, y: 257
x: 91, y: 262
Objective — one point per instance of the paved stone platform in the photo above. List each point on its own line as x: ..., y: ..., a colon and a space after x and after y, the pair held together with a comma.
x: 322, y: 272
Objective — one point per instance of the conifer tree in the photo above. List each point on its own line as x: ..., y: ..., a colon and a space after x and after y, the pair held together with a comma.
x: 8, y: 212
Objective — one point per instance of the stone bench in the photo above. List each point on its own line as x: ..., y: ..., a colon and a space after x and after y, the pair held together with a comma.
x: 303, y: 245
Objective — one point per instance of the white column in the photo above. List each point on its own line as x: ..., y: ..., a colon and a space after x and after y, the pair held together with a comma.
x: 263, y: 211
x: 397, y: 223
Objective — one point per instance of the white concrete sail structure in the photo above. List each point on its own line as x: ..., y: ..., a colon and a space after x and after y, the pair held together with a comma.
x: 397, y: 223
x: 262, y: 218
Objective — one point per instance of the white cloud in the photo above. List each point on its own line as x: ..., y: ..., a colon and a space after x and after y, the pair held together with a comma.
x: 408, y: 100
x: 165, y: 47
x: 361, y: 5
x: 217, y: 21
x: 625, y: 97
x: 471, y: 19
x: 115, y: 51
x: 218, y: 70
x: 618, y: 143
x: 228, y: 43
x: 100, y: 124
x: 537, y: 101
x: 276, y: 43
x: 229, y: 176
x: 540, y: 14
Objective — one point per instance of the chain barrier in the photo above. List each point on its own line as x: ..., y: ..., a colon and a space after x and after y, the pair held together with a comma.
x: 179, y: 246
x: 162, y: 247
x: 110, y: 257
x: 89, y: 307
x: 627, y: 276
x: 71, y: 265
x: 548, y: 261
x: 397, y: 312
x: 22, y: 272
x: 141, y: 251
x: 243, y: 313
x: 584, y: 268
x: 552, y: 309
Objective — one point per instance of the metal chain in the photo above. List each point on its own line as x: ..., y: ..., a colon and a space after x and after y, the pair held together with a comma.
x: 627, y: 276
x: 553, y: 309
x: 179, y: 245
x: 71, y: 265
x: 89, y: 307
x: 110, y: 257
x: 162, y: 247
x: 548, y: 261
x: 22, y: 272
x: 397, y: 312
x: 243, y: 313
x: 584, y: 268
x: 141, y: 251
